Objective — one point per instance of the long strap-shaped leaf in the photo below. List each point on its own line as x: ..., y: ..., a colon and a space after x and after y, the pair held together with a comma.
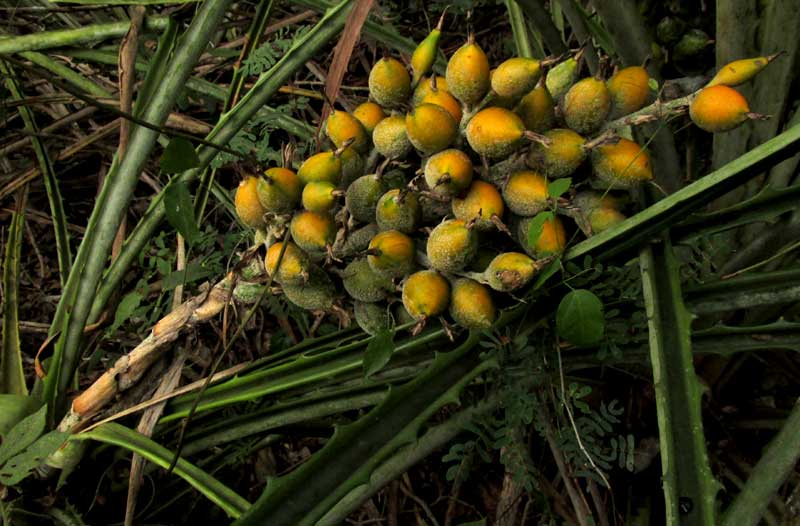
x: 114, y: 199
x: 12, y: 380
x: 118, y: 435
x: 689, y: 488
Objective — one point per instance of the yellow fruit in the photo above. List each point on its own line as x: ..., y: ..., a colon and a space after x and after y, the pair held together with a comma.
x: 471, y: 305
x: 515, y: 77
x: 391, y: 254
x: 363, y: 284
x: 740, y: 71
x: 248, y: 207
x: 510, y: 271
x: 481, y: 202
x: 294, y: 265
x: 451, y: 245
x: 622, y: 165
x: 446, y: 101
x: 312, y: 231
x: 552, y: 238
x: 430, y: 128
x: 362, y: 196
x: 398, y: 210
x: 448, y: 172
x: 279, y: 190
x: 629, y: 89
x: 390, y: 137
x: 719, y: 108
x: 495, y: 132
x: 322, y: 166
x: 389, y: 83
x: 525, y: 193
x: 427, y: 85
x: 369, y: 115
x: 425, y: 294
x: 341, y: 127
x: 315, y: 294
x: 537, y: 110
x: 319, y: 196
x: 586, y: 105
x: 564, y: 155
x: 468, y: 74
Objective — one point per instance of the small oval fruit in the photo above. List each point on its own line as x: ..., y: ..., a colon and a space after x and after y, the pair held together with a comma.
x: 389, y: 82
x: 537, y: 110
x: 427, y: 85
x: 322, y: 166
x: 315, y: 294
x: 587, y: 105
x: 391, y: 254
x: 425, y: 53
x: 552, y: 238
x: 467, y: 73
x: 451, y: 245
x: 740, y: 71
x: 525, y: 193
x: 319, y: 196
x: 390, y: 137
x: 565, y: 154
x: 515, y: 77
x: 372, y: 318
x: 430, y: 128
x: 356, y: 241
x: 248, y: 207
x: 670, y: 29
x: 481, y: 203
x: 294, y: 265
x: 352, y: 166
x: 398, y: 209
x: 446, y: 101
x: 471, y: 305
x: 495, y: 132
x: 425, y: 294
x: 363, y: 284
x: 362, y: 195
x: 629, y: 89
x: 448, y: 172
x: 341, y: 127
x: 561, y: 78
x: 509, y: 271
x: 690, y: 44
x: 312, y: 231
x: 718, y: 109
x: 603, y: 218
x: 279, y: 190
x: 622, y: 165
x: 369, y: 114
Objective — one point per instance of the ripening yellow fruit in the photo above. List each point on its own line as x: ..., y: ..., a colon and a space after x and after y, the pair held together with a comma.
x: 495, y: 132
x: 629, y: 89
x: 515, y: 77
x: 279, y: 190
x: 425, y: 53
x: 320, y: 196
x: 445, y: 100
x: 430, y: 128
x: 248, y: 207
x: 586, y: 105
x: 471, y: 305
x: 564, y: 155
x: 398, y: 209
x: 509, y: 271
x: 451, y: 245
x: 322, y: 166
x: 426, y: 85
x: 425, y: 294
x: 740, y: 71
x: 537, y: 109
x: 603, y: 218
x: 467, y: 73
x: 389, y: 83
x: 552, y: 238
x: 719, y: 108
x: 369, y: 115
x: 525, y: 193
x: 294, y: 265
x: 622, y: 165
x: 448, y: 172
x: 312, y: 231
x: 481, y: 203
x: 390, y: 137
x: 391, y: 254
x: 341, y: 127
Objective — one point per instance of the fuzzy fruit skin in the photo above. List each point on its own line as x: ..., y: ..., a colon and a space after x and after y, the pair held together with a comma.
x: 362, y: 196
x: 719, y: 109
x: 670, y: 29
x: 312, y: 231
x: 389, y: 82
x: 369, y: 114
x: 739, y: 71
x: 294, y: 265
x: 551, y: 241
x: 603, y: 218
x: 586, y: 105
x: 391, y: 254
x: 495, y: 132
x: 481, y: 202
x: 537, y: 110
x: 691, y: 43
x: 446, y: 101
x: 448, y: 172
x: 316, y: 294
x: 279, y: 190
x: 322, y: 166
x: 372, y: 318
x: 561, y: 78
x: 562, y: 158
x: 430, y: 128
x: 622, y: 165
x: 515, y: 77
x: 467, y: 74
x: 424, y: 87
x: 433, y: 210
x: 363, y: 284
x: 424, y: 56
x: 356, y: 242
x: 425, y: 294
x: 390, y: 137
x: 471, y: 305
x: 352, y: 167
x: 525, y: 193
x: 398, y: 210
x: 318, y: 196
x: 509, y: 271
x: 248, y: 206
x: 451, y: 246
x: 629, y: 89
x: 341, y: 126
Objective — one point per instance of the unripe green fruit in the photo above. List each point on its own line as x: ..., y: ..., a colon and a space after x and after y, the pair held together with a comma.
x: 510, y: 271
x: 587, y: 105
x: 670, y: 29
x: 253, y: 270
x: 248, y: 207
x: 425, y: 294
x: 362, y: 196
x: 369, y: 114
x: 602, y: 218
x: 340, y: 127
x: 564, y: 155
x: 622, y: 165
x: 561, y: 78
x: 319, y: 196
x: 537, y: 110
x: 468, y: 74
x: 448, y: 172
x: 471, y: 305
x: 248, y: 292
x: 372, y: 318
x: 323, y: 166
x: 551, y: 241
x: 433, y: 210
x: 279, y: 190
x: 357, y: 241
x: 391, y: 254
x: 430, y: 128
x: 294, y: 266
x: 525, y: 193
x: 451, y: 246
x: 316, y: 294
x: 691, y: 43
x: 312, y: 231
x: 398, y: 210
x: 353, y: 165
x: 389, y: 83
x: 495, y: 132
x: 481, y: 202
x: 425, y: 54
x: 390, y: 137
x: 515, y: 77
x: 401, y: 315
x: 363, y: 284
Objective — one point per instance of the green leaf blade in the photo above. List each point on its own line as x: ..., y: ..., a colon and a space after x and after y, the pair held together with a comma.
x: 379, y: 352
x: 579, y: 318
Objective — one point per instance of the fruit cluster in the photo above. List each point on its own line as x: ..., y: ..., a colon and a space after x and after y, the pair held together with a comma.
x: 437, y: 191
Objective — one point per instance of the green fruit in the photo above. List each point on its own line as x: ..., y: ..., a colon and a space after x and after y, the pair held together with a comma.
x: 398, y: 210
x: 363, y: 284
x: 248, y: 292
x: 316, y: 294
x: 670, y: 29
x: 319, y: 196
x: 587, y: 105
x: 356, y: 241
x: 471, y: 305
x: 561, y: 78
x: 353, y: 165
x: 372, y: 317
x: 362, y: 196
x: 433, y: 210
x: 451, y: 246
x: 691, y: 43
x: 390, y: 137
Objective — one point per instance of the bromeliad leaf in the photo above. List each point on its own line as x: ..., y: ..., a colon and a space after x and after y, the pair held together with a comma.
x: 20, y: 466
x: 180, y: 210
x: 580, y: 319
x: 127, y: 306
x: 23, y: 434
x: 379, y: 352
x: 14, y: 408
x: 179, y: 156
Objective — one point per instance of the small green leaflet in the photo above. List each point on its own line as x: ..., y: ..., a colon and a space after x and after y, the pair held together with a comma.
x: 379, y: 352
x: 23, y: 434
x: 194, y: 271
x: 180, y: 210
x: 557, y: 188
x: 129, y: 303
x: 179, y: 156
x: 536, y: 225
x: 579, y: 318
